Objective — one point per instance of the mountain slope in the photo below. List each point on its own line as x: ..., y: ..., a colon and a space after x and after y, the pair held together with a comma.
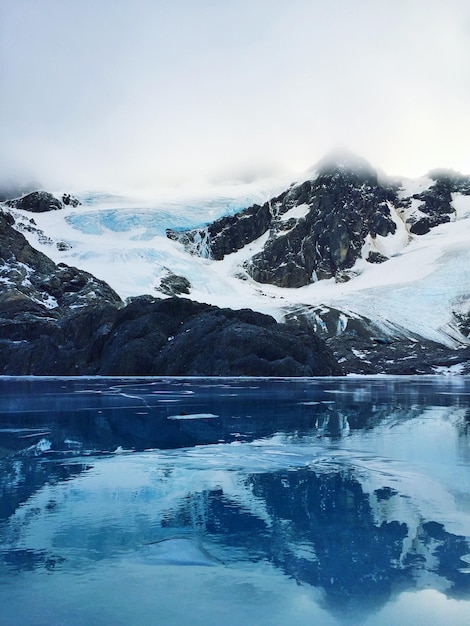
x: 59, y: 320
x: 317, y: 228
x: 377, y: 266
x: 400, y: 247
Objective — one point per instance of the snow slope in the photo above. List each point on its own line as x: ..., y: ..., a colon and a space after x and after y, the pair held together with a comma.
x: 123, y: 241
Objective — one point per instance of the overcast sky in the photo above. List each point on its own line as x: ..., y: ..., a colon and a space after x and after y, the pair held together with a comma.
x: 97, y: 93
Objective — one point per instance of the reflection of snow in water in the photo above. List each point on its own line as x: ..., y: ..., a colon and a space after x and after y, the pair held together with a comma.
x: 177, y: 551
x: 212, y: 517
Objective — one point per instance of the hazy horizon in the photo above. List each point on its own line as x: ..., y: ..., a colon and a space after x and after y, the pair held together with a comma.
x: 155, y: 93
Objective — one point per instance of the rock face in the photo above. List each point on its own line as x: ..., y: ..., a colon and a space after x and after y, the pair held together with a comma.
x: 436, y: 202
x: 36, y: 202
x: 179, y: 337
x: 41, y: 201
x: 362, y: 346
x: 58, y: 320
x: 316, y: 229
x: 26, y: 273
x: 344, y: 207
x: 319, y: 229
x: 173, y: 285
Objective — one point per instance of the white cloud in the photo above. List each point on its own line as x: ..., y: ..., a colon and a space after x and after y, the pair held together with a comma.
x: 147, y: 92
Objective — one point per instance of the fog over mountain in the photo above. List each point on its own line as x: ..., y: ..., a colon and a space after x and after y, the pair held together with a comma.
x: 191, y: 137
x: 121, y: 95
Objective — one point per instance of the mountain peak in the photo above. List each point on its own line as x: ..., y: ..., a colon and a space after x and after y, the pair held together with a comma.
x: 341, y: 159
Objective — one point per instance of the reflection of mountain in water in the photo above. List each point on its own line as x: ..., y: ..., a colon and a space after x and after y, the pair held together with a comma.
x: 332, y: 516
x: 320, y: 529
x: 20, y: 481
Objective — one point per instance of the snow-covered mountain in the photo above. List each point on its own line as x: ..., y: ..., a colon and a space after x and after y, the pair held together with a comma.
x: 380, y: 262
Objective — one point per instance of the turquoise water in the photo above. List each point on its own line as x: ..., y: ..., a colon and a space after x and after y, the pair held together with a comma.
x: 237, y: 501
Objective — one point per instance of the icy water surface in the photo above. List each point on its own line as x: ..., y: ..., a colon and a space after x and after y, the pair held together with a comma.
x: 235, y: 501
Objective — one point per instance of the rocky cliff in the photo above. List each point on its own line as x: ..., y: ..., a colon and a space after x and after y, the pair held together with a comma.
x: 319, y: 228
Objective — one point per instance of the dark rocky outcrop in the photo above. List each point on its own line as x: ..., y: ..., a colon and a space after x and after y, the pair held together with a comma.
x: 41, y: 202
x: 343, y: 204
x: 228, y: 234
x: 26, y: 273
x: 317, y: 229
x: 436, y: 202
x: 36, y: 202
x: 376, y: 257
x: 344, y: 207
x: 424, y: 224
x: 454, y: 181
x: 152, y: 337
x: 58, y: 320
x: 180, y: 337
x: 173, y: 285
x: 69, y: 200
x: 365, y: 346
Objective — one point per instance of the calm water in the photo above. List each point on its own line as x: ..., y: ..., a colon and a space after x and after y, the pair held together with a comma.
x: 235, y: 501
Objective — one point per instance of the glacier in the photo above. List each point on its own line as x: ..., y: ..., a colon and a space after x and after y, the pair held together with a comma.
x: 418, y: 291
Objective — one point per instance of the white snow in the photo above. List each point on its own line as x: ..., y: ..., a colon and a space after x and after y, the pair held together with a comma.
x: 452, y: 370
x: 411, y: 186
x: 297, y: 212
x: 123, y: 241
x: 393, y: 242
x: 461, y: 204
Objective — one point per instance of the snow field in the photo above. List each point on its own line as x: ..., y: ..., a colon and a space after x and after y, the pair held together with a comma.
x: 123, y: 241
